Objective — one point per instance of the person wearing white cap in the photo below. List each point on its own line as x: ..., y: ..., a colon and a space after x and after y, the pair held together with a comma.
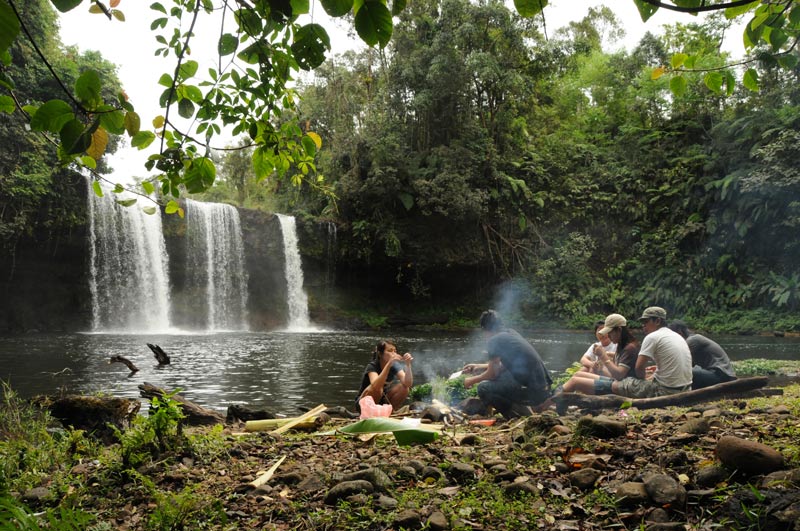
x: 666, y: 350
x: 615, y: 366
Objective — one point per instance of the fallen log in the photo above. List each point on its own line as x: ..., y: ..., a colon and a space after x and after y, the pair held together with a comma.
x: 122, y: 359
x: 92, y: 414
x: 159, y: 353
x: 195, y: 415
x: 732, y: 389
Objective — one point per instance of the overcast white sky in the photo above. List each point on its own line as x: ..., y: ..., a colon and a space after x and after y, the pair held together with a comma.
x: 130, y: 45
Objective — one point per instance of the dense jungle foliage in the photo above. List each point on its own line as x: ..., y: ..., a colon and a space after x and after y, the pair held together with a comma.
x: 554, y: 163
x: 561, y: 165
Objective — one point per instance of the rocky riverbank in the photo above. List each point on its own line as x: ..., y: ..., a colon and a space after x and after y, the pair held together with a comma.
x: 732, y: 464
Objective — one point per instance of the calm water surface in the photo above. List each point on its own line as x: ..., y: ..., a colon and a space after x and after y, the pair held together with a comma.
x: 276, y: 370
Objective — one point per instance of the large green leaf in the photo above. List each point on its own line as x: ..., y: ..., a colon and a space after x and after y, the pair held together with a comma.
x: 200, y: 175
x: 7, y: 104
x: 75, y: 138
x: 52, y: 116
x: 645, y: 10
x: 714, y: 80
x: 299, y: 7
x: 733, y: 12
x: 227, y: 44
x: 374, y: 23
x: 66, y: 5
x: 750, y: 80
x: 311, y: 42
x: 337, y: 8
x: 678, y: 86
x: 187, y: 70
x: 403, y: 433
x: 530, y: 8
x: 87, y: 89
x: 142, y: 139
x: 9, y: 26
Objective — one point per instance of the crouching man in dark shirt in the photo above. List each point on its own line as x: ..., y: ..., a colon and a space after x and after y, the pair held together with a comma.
x: 711, y: 363
x: 515, y: 376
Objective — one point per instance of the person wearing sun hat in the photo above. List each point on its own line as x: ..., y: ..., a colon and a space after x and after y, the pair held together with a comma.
x: 665, y: 349
x: 614, y: 366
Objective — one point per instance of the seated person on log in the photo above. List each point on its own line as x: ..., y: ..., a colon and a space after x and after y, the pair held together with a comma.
x: 613, y: 366
x: 666, y: 350
x: 387, y: 377
x: 711, y: 363
x: 590, y: 361
x: 515, y: 376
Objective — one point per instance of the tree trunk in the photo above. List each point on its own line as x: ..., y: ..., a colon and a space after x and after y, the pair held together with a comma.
x: 195, y: 415
x: 732, y: 389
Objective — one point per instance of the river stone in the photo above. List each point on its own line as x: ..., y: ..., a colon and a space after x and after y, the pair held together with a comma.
x: 432, y: 413
x: 416, y: 464
x: 601, y: 427
x: 462, y: 473
x: 312, y: 483
x: 408, y: 519
x: 698, y: 426
x: 505, y: 475
x: 437, y: 521
x: 674, y: 459
x: 664, y: 490
x: 387, y: 503
x: 781, y: 409
x: 432, y: 472
x: 376, y: 476
x: 631, y: 493
x: 472, y: 406
x: 35, y: 495
x: 782, y: 479
x: 346, y: 489
x: 521, y: 486
x: 658, y: 515
x: 710, y: 476
x: 749, y: 457
x: 585, y: 478
x: 470, y: 439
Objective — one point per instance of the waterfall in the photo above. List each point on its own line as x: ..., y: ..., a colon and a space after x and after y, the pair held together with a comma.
x: 128, y: 270
x: 216, y: 264
x: 296, y: 296
x: 330, y: 255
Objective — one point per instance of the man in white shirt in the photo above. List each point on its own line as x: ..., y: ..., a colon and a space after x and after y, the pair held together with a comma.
x: 666, y: 350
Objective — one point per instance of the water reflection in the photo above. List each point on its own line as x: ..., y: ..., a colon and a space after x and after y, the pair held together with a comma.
x: 278, y: 371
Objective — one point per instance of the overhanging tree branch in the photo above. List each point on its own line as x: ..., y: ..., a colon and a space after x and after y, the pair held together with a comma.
x: 698, y: 9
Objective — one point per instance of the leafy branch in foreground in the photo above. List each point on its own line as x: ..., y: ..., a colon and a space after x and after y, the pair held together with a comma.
x: 249, y: 91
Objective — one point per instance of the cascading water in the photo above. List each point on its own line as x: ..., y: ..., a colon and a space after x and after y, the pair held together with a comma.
x: 296, y: 298
x: 216, y: 263
x: 128, y: 271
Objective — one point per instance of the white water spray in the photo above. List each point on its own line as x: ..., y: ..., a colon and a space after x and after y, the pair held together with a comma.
x: 296, y: 296
x: 128, y: 271
x: 216, y: 263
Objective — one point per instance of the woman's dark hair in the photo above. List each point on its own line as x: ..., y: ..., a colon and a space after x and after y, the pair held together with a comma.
x: 626, y: 337
x: 381, y: 347
x: 679, y: 327
x: 490, y: 320
x: 598, y: 325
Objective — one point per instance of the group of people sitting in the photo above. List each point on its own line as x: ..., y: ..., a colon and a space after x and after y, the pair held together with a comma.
x: 514, y: 380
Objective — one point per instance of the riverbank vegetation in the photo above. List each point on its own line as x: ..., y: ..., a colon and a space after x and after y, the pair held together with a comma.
x: 545, y: 471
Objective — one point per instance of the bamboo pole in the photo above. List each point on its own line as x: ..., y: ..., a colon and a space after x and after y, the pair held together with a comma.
x: 263, y: 478
x: 297, y: 420
x: 270, y: 424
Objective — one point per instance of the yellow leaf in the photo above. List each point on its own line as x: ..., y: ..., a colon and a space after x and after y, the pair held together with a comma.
x: 316, y: 138
x: 96, y: 9
x: 158, y: 121
x: 99, y: 143
x: 181, y: 213
x: 657, y: 72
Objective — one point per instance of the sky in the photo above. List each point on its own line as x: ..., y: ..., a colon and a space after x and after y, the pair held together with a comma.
x: 131, y: 44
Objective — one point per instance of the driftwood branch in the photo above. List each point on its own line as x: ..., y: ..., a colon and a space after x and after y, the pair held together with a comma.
x: 195, y: 415
x: 159, y: 353
x: 732, y: 389
x: 128, y: 363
